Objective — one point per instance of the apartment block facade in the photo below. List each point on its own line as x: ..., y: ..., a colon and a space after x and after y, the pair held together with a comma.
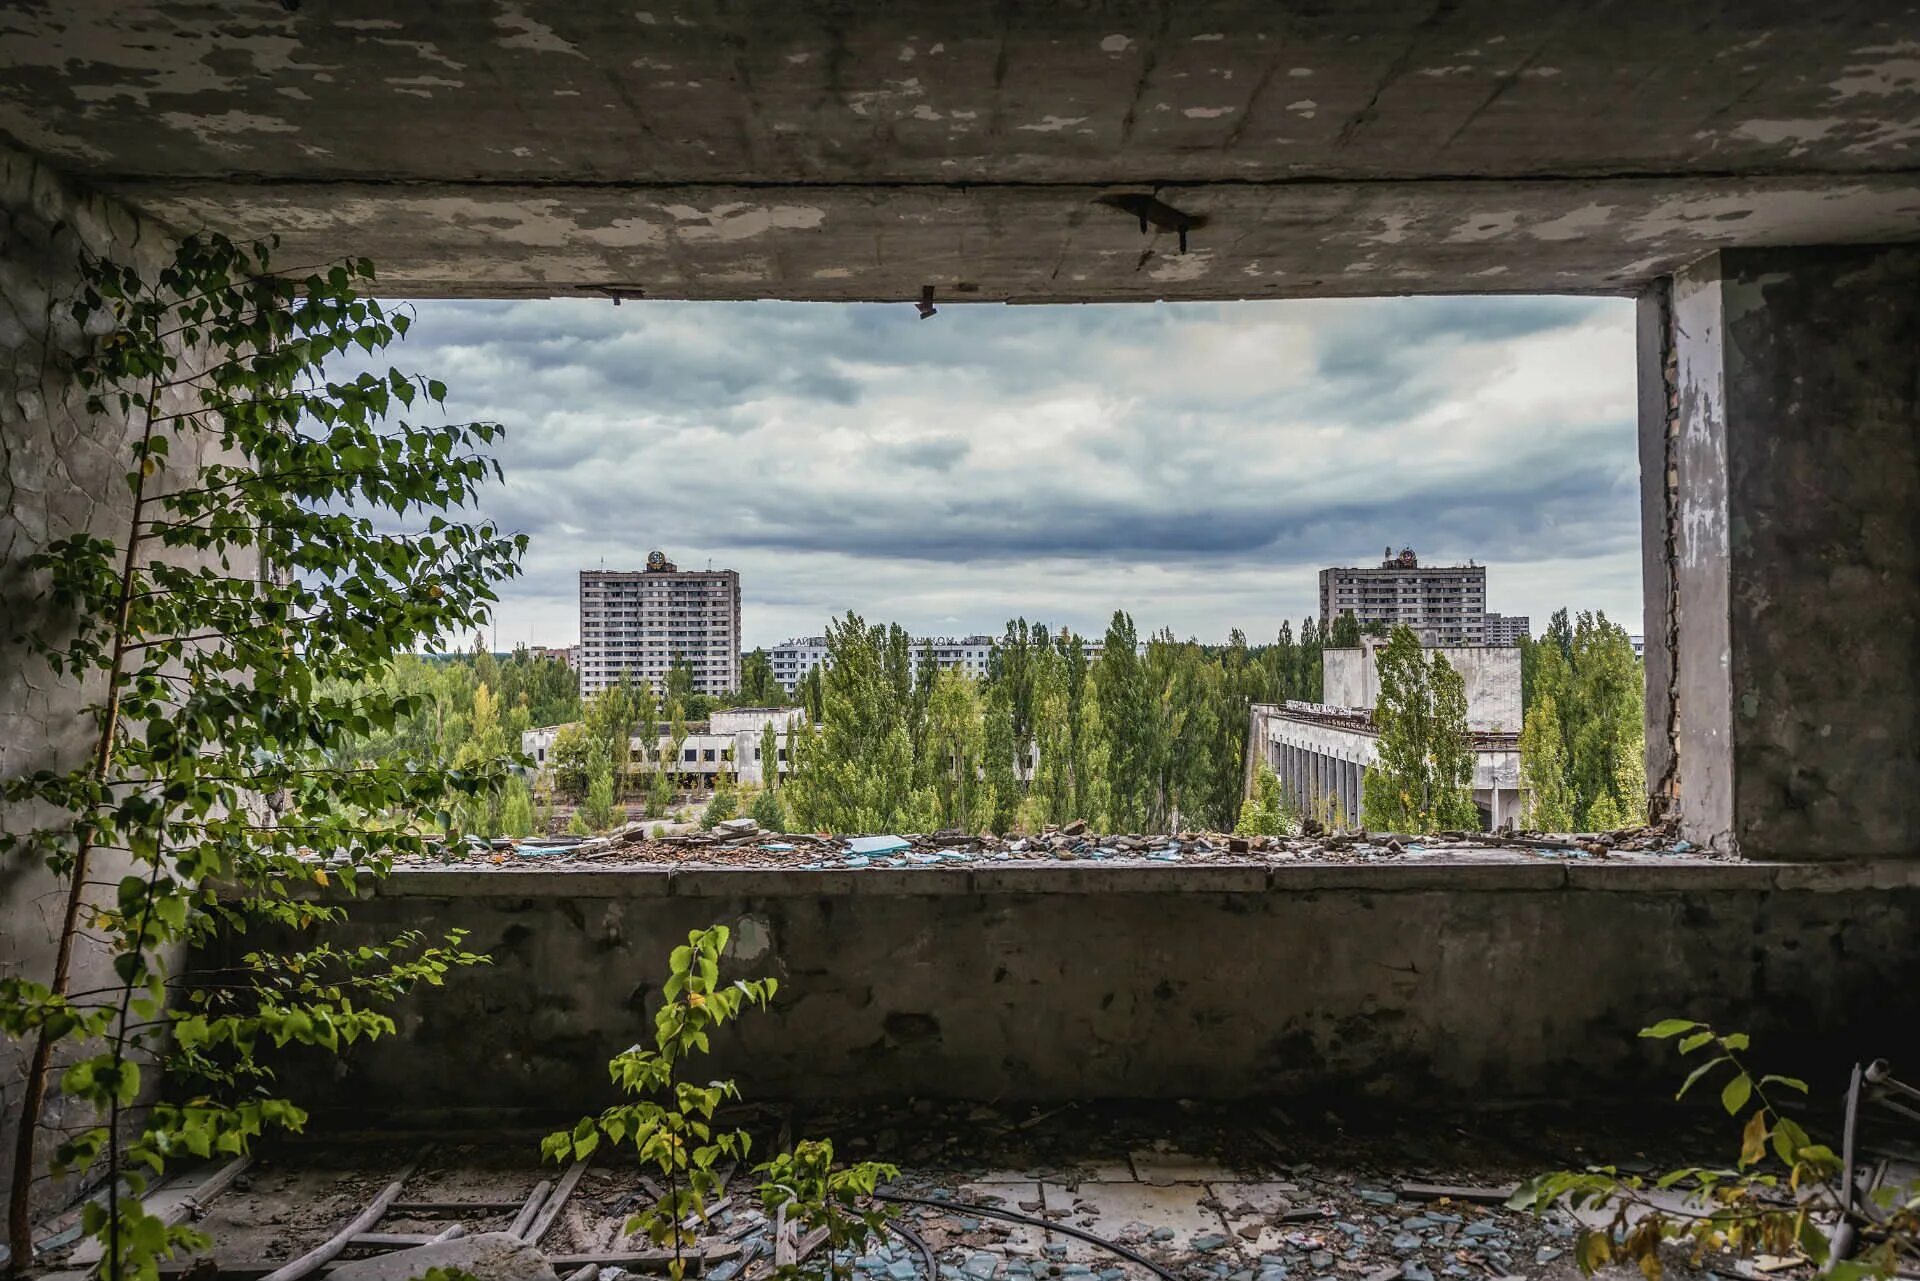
x: 1446, y: 604
x: 972, y: 655
x: 637, y: 623
x: 1508, y: 629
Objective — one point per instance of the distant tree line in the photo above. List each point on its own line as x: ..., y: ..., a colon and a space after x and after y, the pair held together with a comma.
x: 1140, y: 738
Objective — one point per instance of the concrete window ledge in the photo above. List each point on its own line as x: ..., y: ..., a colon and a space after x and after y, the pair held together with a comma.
x: 1491, y: 874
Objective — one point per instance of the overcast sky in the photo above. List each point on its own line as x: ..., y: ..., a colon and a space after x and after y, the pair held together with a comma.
x: 1193, y: 464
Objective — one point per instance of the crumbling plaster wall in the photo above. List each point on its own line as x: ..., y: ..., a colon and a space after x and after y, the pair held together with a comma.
x: 1411, y: 983
x: 63, y: 474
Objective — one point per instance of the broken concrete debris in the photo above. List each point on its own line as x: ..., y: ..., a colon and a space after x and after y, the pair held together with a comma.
x: 1081, y: 1192
x: 742, y: 842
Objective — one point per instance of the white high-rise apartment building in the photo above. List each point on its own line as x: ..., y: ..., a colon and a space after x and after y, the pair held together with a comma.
x: 1446, y: 604
x: 639, y: 622
x: 1508, y: 629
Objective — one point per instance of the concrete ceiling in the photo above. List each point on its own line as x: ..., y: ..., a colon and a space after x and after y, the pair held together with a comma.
x: 716, y: 149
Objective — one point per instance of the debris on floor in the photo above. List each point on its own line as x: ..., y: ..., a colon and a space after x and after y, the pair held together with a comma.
x: 1066, y: 1192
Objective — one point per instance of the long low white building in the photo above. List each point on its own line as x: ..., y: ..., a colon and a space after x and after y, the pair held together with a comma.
x: 730, y: 741
x: 1321, y: 754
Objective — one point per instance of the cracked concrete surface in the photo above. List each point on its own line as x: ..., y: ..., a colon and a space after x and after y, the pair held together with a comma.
x: 772, y: 150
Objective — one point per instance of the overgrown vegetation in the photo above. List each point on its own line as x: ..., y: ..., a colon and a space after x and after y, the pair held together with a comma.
x: 1422, y: 779
x: 1779, y: 1197
x: 236, y: 636
x: 1582, y: 750
x: 671, y: 1121
x: 1138, y: 738
x: 1265, y: 812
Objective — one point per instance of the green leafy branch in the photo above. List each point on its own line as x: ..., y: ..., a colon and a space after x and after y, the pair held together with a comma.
x: 231, y: 634
x: 1780, y: 1196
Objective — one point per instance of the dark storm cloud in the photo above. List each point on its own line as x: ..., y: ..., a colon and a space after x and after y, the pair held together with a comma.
x: 1200, y: 461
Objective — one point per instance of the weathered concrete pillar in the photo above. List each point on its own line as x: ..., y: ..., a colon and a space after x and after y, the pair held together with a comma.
x: 1780, y: 447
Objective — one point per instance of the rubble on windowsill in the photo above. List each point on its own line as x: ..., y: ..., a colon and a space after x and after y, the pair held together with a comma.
x: 741, y: 842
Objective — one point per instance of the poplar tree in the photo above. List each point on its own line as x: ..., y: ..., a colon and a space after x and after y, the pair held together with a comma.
x: 1127, y: 711
x: 1543, y: 768
x: 956, y: 744
x: 1422, y: 778
x: 1581, y: 748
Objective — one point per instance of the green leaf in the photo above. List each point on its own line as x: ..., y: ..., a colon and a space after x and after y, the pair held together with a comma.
x: 1668, y: 1028
x: 1693, y: 1078
x: 1735, y: 1094
x: 1788, y: 1139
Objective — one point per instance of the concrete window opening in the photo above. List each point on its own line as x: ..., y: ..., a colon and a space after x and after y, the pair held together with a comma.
x: 1742, y: 179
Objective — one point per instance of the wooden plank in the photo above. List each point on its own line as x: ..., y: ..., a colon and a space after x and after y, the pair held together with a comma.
x: 1453, y: 1192
x: 324, y: 1253
x: 705, y: 1212
x: 635, y: 1261
x: 782, y: 1240
x: 171, y: 1204
x: 535, y: 1199
x: 551, y: 1210
x: 646, y: 1260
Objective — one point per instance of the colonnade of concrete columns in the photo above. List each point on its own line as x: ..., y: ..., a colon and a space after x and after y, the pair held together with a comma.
x: 1309, y: 779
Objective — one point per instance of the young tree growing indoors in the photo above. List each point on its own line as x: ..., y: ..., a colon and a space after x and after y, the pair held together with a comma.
x: 286, y: 535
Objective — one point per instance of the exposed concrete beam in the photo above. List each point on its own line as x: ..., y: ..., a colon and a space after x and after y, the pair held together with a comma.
x: 1034, y: 242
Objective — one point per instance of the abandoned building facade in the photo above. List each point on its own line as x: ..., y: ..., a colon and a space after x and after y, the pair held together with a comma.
x: 1445, y: 604
x: 729, y: 742
x: 1506, y: 629
x: 1321, y: 751
x: 1748, y: 174
x: 970, y: 655
x: 638, y: 624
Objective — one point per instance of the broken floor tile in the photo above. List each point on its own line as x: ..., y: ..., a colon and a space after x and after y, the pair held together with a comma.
x: 1110, y: 1209
x: 1177, y: 1167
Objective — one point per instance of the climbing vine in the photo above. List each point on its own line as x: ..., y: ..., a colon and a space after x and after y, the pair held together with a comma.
x: 284, y: 536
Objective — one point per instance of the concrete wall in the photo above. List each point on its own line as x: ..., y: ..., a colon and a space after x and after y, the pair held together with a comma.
x: 63, y: 473
x: 1491, y: 674
x: 1415, y: 982
x: 1795, y: 554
